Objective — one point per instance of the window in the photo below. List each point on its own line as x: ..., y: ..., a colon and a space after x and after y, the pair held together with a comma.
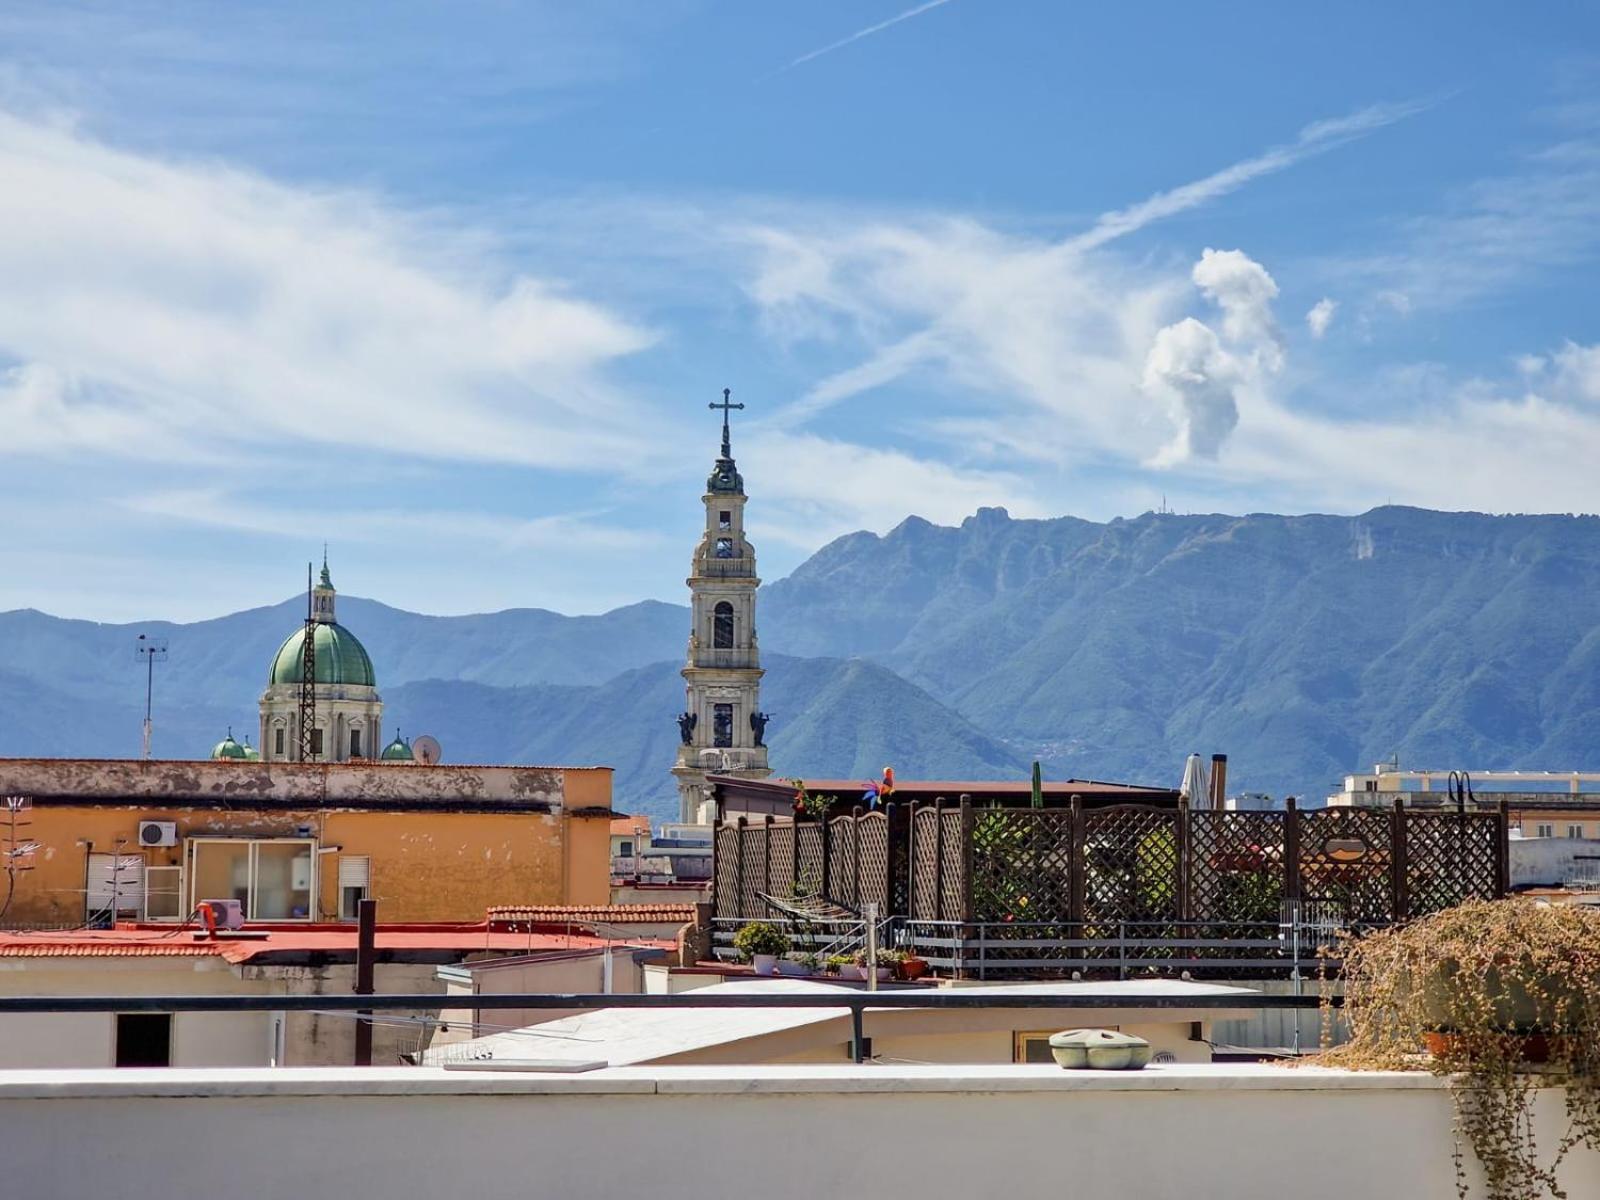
x: 316, y: 743
x: 1372, y: 785
x: 722, y: 725
x: 163, y: 894
x: 724, y: 519
x: 271, y: 878
x: 1575, y: 831
x: 725, y: 548
x: 355, y: 743
x: 1544, y: 831
x: 722, y: 626
x: 625, y: 849
x: 355, y: 879
x: 277, y: 741
x: 144, y: 1040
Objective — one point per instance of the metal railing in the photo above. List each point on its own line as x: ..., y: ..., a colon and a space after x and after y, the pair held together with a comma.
x: 726, y: 658
x: 725, y: 568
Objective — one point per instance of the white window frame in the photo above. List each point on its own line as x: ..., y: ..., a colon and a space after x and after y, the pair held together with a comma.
x: 345, y: 882
x: 1542, y: 830
x: 1575, y: 830
x: 194, y: 844
x: 150, y: 869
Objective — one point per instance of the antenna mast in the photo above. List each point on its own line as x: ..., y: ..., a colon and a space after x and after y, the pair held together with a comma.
x: 308, y: 679
x: 152, y: 650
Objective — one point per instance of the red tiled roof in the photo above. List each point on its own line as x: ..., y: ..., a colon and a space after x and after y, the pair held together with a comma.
x: 624, y: 826
x: 182, y: 943
x: 611, y: 914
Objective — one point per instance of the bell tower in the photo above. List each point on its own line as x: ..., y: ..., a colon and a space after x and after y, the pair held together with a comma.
x: 722, y: 729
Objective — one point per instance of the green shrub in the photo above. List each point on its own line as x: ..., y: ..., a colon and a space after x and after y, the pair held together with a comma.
x: 760, y: 937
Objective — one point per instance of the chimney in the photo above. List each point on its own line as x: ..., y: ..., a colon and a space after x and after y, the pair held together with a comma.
x: 1219, y: 781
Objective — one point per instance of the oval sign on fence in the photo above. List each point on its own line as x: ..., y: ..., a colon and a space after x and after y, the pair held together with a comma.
x: 1345, y: 849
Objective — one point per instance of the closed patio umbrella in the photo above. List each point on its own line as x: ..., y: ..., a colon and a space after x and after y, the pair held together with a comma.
x: 1193, y: 788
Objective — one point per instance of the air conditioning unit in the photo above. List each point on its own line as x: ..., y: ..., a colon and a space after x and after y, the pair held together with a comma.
x: 229, y: 913
x: 158, y: 833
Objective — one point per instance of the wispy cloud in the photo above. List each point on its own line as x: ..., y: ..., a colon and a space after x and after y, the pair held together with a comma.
x: 1316, y: 138
x: 863, y: 33
x: 174, y: 309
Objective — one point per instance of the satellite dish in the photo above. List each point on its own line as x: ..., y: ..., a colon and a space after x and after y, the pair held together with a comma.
x: 425, y: 749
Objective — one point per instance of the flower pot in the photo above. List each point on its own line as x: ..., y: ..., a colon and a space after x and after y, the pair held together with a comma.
x: 788, y: 966
x: 851, y: 971
x: 1532, y: 1048
x: 1512, y: 1008
x: 884, y: 974
x: 764, y: 964
x: 914, y: 968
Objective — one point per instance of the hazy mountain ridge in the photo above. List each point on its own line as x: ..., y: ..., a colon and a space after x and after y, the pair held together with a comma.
x: 1301, y: 646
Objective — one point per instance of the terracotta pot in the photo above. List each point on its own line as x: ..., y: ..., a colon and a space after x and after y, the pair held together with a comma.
x: 914, y: 968
x: 1530, y: 1048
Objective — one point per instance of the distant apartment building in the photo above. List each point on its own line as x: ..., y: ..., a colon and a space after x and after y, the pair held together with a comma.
x: 96, y: 841
x: 1541, y: 803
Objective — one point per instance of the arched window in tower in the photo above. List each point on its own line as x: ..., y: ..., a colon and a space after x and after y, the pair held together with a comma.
x: 722, y: 626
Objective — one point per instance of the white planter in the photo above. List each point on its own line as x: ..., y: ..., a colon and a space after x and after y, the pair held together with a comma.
x: 764, y: 964
x: 787, y: 966
x: 851, y: 971
x: 885, y: 973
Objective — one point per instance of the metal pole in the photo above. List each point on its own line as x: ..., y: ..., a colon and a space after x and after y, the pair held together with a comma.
x: 149, y: 686
x: 872, y: 947
x: 366, y: 948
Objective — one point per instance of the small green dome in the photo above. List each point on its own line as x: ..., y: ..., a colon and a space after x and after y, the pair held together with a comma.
x: 341, y: 658
x: 251, y: 754
x: 227, y: 748
x: 398, y: 750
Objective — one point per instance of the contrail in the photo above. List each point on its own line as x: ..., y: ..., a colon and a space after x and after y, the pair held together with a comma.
x: 861, y: 33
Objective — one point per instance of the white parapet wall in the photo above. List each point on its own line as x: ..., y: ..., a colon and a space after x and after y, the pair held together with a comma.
x: 1244, y: 1132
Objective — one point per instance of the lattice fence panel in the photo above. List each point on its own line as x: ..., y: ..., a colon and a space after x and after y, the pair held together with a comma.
x: 726, y: 875
x: 1346, y: 861
x: 1450, y: 857
x: 1022, y: 865
x: 808, y: 858
x: 872, y: 833
x: 753, y: 869
x: 842, y: 845
x: 924, y: 904
x: 1131, y: 867
x: 953, y: 874
x: 781, y: 859
x: 1236, y: 871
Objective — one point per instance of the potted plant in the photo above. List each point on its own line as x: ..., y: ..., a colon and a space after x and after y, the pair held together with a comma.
x: 761, y: 944
x: 836, y: 964
x: 912, y: 965
x: 884, y: 963
x: 811, y: 962
x: 1505, y: 997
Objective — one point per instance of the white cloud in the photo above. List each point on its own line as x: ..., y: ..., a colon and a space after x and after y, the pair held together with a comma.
x: 1320, y: 317
x: 1243, y: 290
x: 160, y: 309
x: 1188, y: 366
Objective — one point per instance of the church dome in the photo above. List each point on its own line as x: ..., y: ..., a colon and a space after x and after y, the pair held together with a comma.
x: 341, y: 658
x: 398, y: 750
x: 227, y: 748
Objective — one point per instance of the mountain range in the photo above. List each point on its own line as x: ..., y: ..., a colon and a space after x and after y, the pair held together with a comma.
x: 1302, y: 646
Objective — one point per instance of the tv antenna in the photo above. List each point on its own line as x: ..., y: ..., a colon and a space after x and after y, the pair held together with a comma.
x: 308, y: 679
x: 18, y: 851
x: 152, y: 650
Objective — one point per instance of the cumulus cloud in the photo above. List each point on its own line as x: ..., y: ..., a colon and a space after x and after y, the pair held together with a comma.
x: 1188, y: 365
x: 1320, y: 317
x: 165, y: 309
x: 1242, y: 289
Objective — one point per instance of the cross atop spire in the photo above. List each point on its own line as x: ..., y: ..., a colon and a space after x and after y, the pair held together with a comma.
x: 727, y: 444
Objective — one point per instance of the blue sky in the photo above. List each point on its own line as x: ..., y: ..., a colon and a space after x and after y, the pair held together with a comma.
x: 450, y: 286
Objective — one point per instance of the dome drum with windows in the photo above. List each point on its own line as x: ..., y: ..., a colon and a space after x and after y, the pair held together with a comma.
x: 347, y: 710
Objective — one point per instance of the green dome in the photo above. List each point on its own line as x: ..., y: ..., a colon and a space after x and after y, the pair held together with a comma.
x: 340, y: 658
x: 228, y: 748
x: 398, y: 750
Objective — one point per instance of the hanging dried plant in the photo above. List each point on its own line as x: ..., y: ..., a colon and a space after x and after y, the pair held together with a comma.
x: 1504, y: 997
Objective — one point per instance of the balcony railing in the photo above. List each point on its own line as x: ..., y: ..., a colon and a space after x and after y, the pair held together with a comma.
x: 725, y: 568
x: 725, y: 659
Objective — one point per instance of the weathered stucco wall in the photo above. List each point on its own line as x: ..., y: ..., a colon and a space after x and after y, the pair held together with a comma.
x: 174, y: 781
x: 426, y: 865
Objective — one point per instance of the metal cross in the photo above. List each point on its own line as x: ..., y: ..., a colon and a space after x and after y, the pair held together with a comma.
x: 727, y: 445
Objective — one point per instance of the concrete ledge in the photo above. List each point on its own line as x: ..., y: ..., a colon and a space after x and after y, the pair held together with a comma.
x: 241, y: 1082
